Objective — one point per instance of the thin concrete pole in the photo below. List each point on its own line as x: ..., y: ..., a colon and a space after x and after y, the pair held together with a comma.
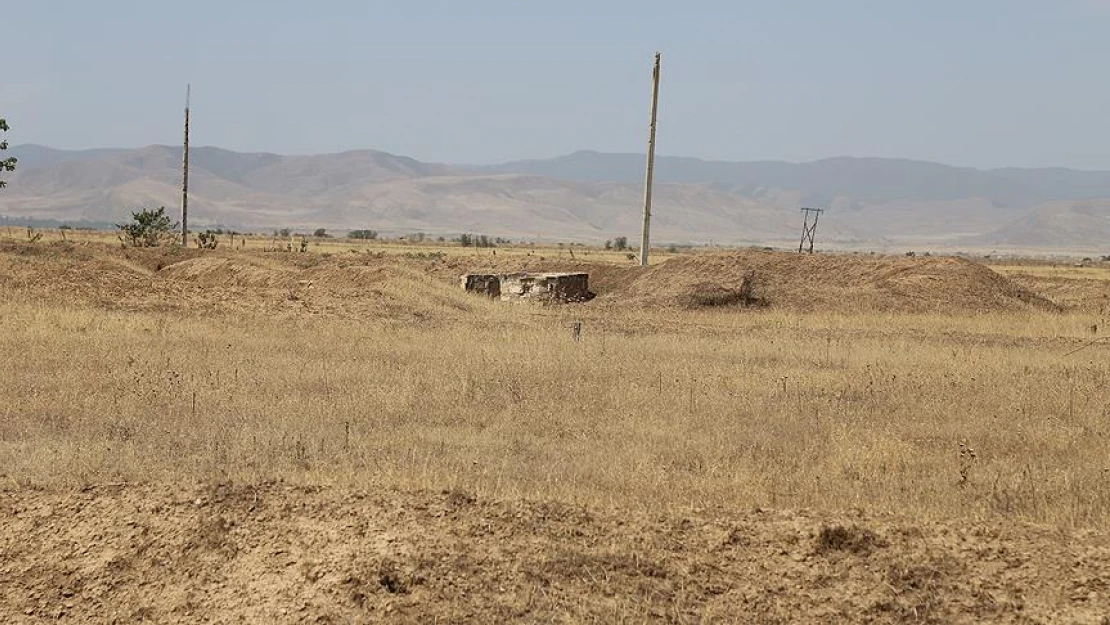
x: 185, y: 175
x: 645, y: 238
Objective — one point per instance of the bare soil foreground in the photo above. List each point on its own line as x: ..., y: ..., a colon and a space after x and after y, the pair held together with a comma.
x: 346, y: 436
x: 275, y: 553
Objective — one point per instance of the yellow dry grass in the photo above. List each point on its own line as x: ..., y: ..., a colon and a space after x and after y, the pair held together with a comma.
x: 935, y: 416
x: 1099, y: 272
x: 258, y: 242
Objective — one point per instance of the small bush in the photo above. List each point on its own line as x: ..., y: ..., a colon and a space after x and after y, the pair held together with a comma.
x: 147, y: 228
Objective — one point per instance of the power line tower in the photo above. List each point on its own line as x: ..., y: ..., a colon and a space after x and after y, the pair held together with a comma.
x: 809, y: 230
x: 645, y: 237
x: 185, y: 175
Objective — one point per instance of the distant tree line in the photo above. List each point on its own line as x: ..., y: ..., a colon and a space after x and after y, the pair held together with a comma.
x: 480, y: 240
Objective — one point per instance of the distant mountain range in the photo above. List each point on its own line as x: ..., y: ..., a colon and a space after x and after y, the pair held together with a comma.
x: 871, y: 202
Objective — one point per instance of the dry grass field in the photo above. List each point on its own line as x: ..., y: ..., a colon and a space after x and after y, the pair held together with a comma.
x: 346, y: 436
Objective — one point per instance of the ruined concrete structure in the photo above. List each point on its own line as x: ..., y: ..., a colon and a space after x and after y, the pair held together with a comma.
x: 484, y: 283
x: 549, y: 287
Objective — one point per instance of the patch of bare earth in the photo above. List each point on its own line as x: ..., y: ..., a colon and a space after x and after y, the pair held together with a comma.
x: 276, y: 553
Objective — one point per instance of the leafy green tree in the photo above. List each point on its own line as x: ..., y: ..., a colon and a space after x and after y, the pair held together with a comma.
x: 6, y: 164
x: 147, y: 228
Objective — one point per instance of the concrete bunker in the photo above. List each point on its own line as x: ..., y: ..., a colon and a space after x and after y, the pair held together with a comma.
x: 546, y: 287
x: 483, y: 283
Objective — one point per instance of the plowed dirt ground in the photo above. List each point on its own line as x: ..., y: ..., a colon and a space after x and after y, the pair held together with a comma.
x: 279, y: 554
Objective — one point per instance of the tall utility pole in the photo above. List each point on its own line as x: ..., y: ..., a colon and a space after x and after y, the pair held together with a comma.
x: 809, y: 230
x: 645, y: 238
x: 185, y: 175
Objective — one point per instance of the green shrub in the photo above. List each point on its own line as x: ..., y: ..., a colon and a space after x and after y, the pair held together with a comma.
x: 147, y: 228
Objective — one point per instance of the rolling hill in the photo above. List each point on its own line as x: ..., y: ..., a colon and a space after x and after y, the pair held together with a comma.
x: 885, y: 203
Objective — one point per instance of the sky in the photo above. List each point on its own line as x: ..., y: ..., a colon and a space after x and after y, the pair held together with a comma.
x: 981, y: 83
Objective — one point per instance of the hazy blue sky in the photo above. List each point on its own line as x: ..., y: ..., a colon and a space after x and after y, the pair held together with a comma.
x: 966, y: 82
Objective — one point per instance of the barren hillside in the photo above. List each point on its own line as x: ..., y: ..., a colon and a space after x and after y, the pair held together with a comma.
x: 876, y: 203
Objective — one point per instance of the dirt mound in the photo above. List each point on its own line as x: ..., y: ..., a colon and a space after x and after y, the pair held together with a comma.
x: 829, y: 282
x: 156, y: 258
x: 1084, y: 294
x: 71, y: 272
x: 219, y: 271
x: 278, y: 554
x: 283, y: 271
x: 357, y: 285
x: 206, y: 282
x: 351, y: 286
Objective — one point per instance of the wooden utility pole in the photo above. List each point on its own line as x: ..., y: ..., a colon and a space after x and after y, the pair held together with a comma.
x: 645, y: 238
x: 185, y: 175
